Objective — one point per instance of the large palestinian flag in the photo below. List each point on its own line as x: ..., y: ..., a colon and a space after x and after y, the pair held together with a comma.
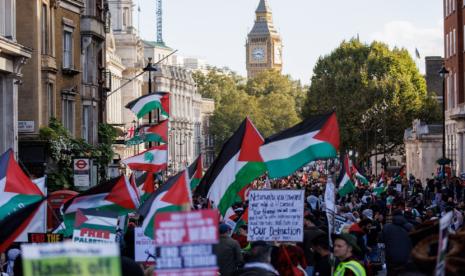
x: 15, y: 222
x: 20, y: 199
x: 152, y: 160
x: 174, y: 195
x: 313, y: 139
x: 16, y: 189
x: 195, y: 171
x: 346, y: 185
x: 238, y: 164
x: 157, y: 133
x: 144, y: 104
x: 117, y: 195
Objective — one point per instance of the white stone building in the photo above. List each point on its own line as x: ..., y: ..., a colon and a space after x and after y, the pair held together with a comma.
x: 12, y: 57
x: 423, y: 147
x: 129, y: 48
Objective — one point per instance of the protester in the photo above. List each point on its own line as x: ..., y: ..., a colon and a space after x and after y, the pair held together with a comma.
x: 228, y: 252
x: 345, y: 246
x: 258, y: 261
x: 398, y: 243
x: 320, y: 246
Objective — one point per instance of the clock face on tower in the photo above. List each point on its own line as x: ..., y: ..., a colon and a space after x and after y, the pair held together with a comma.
x: 258, y: 54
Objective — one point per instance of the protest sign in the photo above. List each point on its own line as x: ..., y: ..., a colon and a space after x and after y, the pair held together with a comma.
x: 144, y: 247
x: 93, y: 226
x: 184, y: 243
x: 53, y: 259
x: 444, y: 224
x: 339, y: 223
x: 44, y: 237
x: 276, y: 215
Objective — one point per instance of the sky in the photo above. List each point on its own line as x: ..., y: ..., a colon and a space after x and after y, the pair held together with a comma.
x: 216, y: 30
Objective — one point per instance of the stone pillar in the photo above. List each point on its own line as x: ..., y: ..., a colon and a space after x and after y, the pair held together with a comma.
x: 460, y: 152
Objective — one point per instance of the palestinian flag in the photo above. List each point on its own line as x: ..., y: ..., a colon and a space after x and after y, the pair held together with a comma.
x: 151, y: 160
x: 15, y: 222
x: 346, y: 185
x: 145, y: 184
x: 146, y: 103
x: 16, y: 189
x: 243, y: 220
x: 379, y: 190
x: 117, y: 195
x: 174, y: 195
x: 237, y: 165
x: 157, y: 133
x: 195, y: 171
x: 362, y: 179
x: 92, y: 226
x: 313, y: 139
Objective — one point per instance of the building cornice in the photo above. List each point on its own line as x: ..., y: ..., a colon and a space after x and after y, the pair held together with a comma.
x: 75, y: 6
x: 12, y: 48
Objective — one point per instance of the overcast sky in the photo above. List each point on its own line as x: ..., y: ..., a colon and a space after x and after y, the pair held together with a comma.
x: 216, y: 30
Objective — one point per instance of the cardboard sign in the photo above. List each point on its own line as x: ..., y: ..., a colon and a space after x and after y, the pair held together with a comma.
x: 185, y: 243
x: 53, y: 259
x: 44, y: 237
x: 276, y: 215
x: 144, y: 247
x: 93, y: 226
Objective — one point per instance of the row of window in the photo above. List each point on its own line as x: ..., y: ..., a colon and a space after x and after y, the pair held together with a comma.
x: 449, y: 7
x: 450, y: 47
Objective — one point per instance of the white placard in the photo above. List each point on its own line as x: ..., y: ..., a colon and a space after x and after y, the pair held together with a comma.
x: 144, y: 247
x: 276, y: 215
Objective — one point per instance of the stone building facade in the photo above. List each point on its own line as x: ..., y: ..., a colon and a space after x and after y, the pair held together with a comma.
x: 423, y: 147
x: 13, y: 56
x: 454, y: 83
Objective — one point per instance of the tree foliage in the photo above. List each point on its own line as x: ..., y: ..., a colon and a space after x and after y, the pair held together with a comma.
x: 376, y: 92
x: 63, y: 148
x: 271, y: 100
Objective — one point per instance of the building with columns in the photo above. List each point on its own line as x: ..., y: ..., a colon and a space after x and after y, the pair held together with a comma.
x: 13, y: 56
x: 454, y: 83
x: 263, y: 45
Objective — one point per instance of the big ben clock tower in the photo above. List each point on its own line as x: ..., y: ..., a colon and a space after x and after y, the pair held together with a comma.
x: 263, y: 46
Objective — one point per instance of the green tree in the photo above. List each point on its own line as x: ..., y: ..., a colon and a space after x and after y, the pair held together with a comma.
x: 272, y: 101
x: 376, y: 92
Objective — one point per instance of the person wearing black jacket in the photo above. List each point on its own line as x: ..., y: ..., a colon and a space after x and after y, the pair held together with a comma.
x: 398, y: 244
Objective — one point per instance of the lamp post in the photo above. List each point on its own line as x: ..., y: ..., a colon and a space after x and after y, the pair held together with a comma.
x: 443, y: 73
x: 150, y: 68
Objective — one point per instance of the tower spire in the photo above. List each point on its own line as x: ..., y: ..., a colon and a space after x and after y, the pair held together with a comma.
x: 263, y: 7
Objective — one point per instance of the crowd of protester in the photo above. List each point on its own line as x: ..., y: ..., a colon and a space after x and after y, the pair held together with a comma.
x: 390, y: 225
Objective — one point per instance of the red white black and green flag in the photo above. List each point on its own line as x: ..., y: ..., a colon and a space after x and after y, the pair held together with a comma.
x: 313, y: 139
x: 20, y: 199
x: 116, y: 195
x: 174, y: 195
x: 157, y: 133
x: 360, y: 178
x: 195, y: 171
x: 237, y: 165
x: 346, y: 184
x: 152, y: 160
x: 144, y: 104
